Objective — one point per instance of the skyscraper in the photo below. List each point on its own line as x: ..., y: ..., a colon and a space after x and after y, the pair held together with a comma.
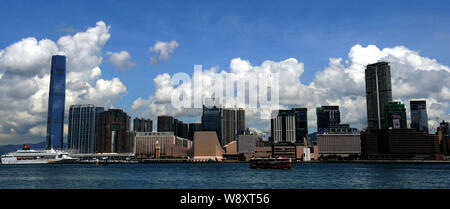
x: 182, y: 130
x: 419, y: 119
x: 327, y: 116
x: 170, y: 124
x: 142, y: 125
x: 329, y: 121
x: 211, y: 120
x: 240, y: 121
x: 114, y: 131
x: 56, y: 102
x: 444, y: 138
x: 301, y: 123
x: 222, y: 121
x: 378, y: 93
x: 82, y: 128
x: 283, y: 127
x: 193, y: 127
x: 166, y: 123
x: 395, y: 115
x: 176, y: 126
x: 228, y: 126
x: 289, y: 126
x: 98, y: 111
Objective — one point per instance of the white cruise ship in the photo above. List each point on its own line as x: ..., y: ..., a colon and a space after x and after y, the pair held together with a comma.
x: 29, y: 156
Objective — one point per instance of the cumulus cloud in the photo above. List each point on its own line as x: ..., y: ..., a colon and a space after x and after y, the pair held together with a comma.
x: 340, y: 83
x: 163, y: 50
x: 28, y: 57
x: 24, y: 84
x: 120, y: 59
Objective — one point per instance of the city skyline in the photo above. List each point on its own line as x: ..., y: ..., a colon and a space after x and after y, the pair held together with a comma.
x: 106, y: 69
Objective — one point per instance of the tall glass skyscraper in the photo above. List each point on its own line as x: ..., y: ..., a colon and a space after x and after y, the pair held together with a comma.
x: 56, y: 102
x: 301, y: 123
x: 419, y: 118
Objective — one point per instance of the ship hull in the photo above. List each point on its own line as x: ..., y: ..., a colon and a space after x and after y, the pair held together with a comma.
x: 23, y: 157
x: 23, y: 162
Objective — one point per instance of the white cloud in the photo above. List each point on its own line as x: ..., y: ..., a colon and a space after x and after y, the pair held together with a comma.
x: 39, y: 130
x: 340, y: 83
x: 24, y: 84
x: 120, y: 59
x: 84, y: 48
x: 27, y: 57
x: 163, y: 49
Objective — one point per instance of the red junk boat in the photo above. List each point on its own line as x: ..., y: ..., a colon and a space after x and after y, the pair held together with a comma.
x: 271, y: 163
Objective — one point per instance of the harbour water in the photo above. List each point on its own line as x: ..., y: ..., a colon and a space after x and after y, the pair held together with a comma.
x: 225, y: 176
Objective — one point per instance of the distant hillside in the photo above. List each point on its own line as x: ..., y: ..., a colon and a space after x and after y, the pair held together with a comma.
x: 14, y: 147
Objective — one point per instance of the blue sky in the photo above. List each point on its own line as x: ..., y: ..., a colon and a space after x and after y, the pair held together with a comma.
x: 212, y: 33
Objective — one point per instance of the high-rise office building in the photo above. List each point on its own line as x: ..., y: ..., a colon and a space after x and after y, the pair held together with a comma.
x: 129, y: 144
x: 378, y: 93
x: 240, y: 121
x: 176, y: 126
x: 182, y: 130
x: 98, y: 111
x: 301, y: 123
x: 114, y: 132
x: 329, y: 121
x: 222, y: 121
x: 444, y: 138
x: 228, y: 125
x: 166, y: 123
x: 170, y: 124
x: 83, y: 128
x: 327, y: 116
x: 419, y: 118
x: 283, y: 127
x: 290, y: 126
x: 56, y: 102
x: 142, y: 125
x: 211, y: 120
x: 395, y: 115
x: 193, y: 127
